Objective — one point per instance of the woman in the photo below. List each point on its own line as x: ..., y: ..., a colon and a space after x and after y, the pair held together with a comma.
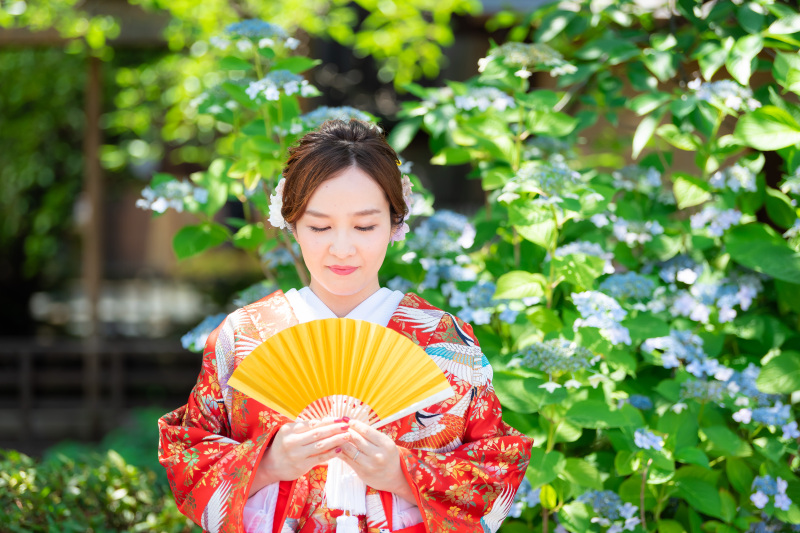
x: 235, y: 465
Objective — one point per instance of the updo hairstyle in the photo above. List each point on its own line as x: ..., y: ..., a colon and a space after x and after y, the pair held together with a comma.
x: 333, y: 147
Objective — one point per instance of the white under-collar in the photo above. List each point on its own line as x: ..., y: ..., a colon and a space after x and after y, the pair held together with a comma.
x: 378, y: 308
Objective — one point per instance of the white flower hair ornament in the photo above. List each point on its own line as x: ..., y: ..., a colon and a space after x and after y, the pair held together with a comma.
x: 400, y: 233
x: 276, y: 203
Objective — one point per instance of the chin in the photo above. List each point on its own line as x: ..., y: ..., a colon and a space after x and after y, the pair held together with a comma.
x: 340, y: 288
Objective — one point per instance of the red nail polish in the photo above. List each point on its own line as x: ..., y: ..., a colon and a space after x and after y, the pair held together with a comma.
x: 339, y: 420
x: 346, y: 419
x: 345, y: 428
x: 338, y: 450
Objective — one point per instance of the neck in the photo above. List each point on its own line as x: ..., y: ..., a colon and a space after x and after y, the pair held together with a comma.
x: 341, y: 305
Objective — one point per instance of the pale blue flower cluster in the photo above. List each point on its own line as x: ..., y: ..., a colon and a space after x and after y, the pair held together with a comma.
x: 270, y: 86
x: 476, y: 303
x: 277, y: 257
x: 725, y: 92
x: 647, y: 440
x: 771, y: 525
x: 734, y: 178
x: 526, y: 497
x: 676, y: 347
x: 715, y: 220
x: 766, y: 486
x: 636, y: 178
x: 791, y: 184
x: 744, y: 383
x: 171, y: 193
x: 195, y: 339
x: 552, y: 178
x: 554, y: 356
x: 680, y: 269
x: 254, y: 293
x: 443, y: 233
x: 541, y: 147
x: 314, y: 118
x: 526, y: 57
x: 482, y: 98
x: 259, y: 31
x: 587, y: 248
x: 610, y: 510
x: 631, y: 232
x: 794, y: 231
x: 705, y: 391
x: 775, y: 415
x: 601, y: 311
x: 697, y: 302
x: 399, y: 283
x: 629, y: 285
x: 444, y: 270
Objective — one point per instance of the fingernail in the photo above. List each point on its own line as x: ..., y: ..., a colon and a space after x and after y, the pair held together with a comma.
x: 339, y: 420
x: 346, y: 418
x: 338, y: 450
x: 345, y: 428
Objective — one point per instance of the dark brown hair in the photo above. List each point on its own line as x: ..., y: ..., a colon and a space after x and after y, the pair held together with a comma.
x: 333, y: 147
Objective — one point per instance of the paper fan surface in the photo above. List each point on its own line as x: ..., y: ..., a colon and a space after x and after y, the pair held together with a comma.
x: 323, y: 363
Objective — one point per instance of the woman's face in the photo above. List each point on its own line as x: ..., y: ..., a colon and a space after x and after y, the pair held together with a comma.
x: 343, y: 235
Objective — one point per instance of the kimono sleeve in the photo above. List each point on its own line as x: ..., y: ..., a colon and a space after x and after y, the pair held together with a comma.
x: 472, y: 487
x: 208, y: 471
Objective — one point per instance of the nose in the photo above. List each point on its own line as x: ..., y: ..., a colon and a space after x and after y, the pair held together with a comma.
x: 341, y: 245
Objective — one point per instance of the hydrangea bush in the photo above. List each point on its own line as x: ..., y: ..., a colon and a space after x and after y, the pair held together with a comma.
x: 644, y: 321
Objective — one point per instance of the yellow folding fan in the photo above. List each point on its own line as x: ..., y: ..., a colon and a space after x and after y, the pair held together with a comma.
x: 341, y: 367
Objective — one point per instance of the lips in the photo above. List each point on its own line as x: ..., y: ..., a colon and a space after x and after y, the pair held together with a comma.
x: 342, y: 270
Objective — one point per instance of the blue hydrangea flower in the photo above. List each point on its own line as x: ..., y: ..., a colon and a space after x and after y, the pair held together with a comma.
x: 256, y: 29
x: 776, y: 415
x: 587, y: 248
x: 705, y: 391
x: 323, y: 113
x: 766, y: 486
x: 399, y: 283
x: 270, y: 86
x: 679, y: 345
x: 628, y: 285
x: 640, y: 401
x: 734, y: 178
x: 715, y: 220
x: 254, y: 293
x: 647, y: 440
x: 170, y: 194
x: 725, y: 92
x: 679, y: 269
x: 195, y: 339
x: 555, y: 357
x: 552, y: 178
x: 601, y: 311
x: 443, y: 233
x: 790, y: 430
x: 610, y: 510
x: 482, y: 98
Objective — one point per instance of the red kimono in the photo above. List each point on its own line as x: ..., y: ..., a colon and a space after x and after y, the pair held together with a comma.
x: 462, y: 461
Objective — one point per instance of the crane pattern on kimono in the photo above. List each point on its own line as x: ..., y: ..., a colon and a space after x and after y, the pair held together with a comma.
x: 216, y: 508
x: 440, y: 432
x: 492, y: 520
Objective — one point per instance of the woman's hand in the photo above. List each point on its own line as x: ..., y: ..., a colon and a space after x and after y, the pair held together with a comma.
x: 376, y: 459
x: 297, y: 448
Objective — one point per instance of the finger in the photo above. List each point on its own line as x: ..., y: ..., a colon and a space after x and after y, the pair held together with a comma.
x: 320, y: 433
x: 368, y: 432
x: 361, y: 443
x: 327, y: 456
x: 302, y: 426
x: 325, y: 445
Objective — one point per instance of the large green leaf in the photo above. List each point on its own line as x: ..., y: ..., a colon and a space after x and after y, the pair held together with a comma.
x: 758, y: 247
x: 723, y: 441
x: 701, y: 495
x: 644, y: 131
x: 781, y: 374
x: 689, y: 191
x: 544, y: 467
x: 403, y: 133
x: 582, y: 473
x: 739, y: 474
x: 523, y: 394
x: 786, y: 25
x: 551, y: 123
x: 597, y: 414
x: 191, y: 240
x: 779, y: 208
x: 768, y: 128
x: 786, y: 71
x: 520, y: 284
x: 742, y: 57
x: 579, y: 269
x: 452, y: 156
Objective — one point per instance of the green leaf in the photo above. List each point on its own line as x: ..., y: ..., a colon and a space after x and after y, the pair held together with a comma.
x: 722, y: 440
x: 742, y: 57
x: 661, y: 64
x: 779, y: 208
x: 553, y: 24
x: 548, y: 497
x: 648, y: 102
x: 575, y: 517
x: 751, y: 17
x: 595, y: 414
x: 786, y: 70
x: 689, y: 191
x: 520, y: 284
x: 250, y: 236
x: 579, y: 269
x: 644, y: 131
x: 669, y: 526
x: 781, y: 374
x: 768, y: 128
x: 739, y: 474
x: 191, y: 240
x: 679, y: 139
x: 522, y: 394
x: 758, y: 247
x: 785, y: 25
x: 550, y: 123
x: 542, y: 233
x: 631, y: 491
x: 234, y: 63
x: 452, y: 156
x: 646, y: 326
x: 542, y: 99
x: 402, y: 134
x: 711, y: 56
x: 544, y: 467
x: 701, y: 495
x: 544, y: 319
x: 691, y: 456
x: 582, y: 473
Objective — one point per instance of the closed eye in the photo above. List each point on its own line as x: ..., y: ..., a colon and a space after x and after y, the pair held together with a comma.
x: 368, y: 228
x: 317, y: 230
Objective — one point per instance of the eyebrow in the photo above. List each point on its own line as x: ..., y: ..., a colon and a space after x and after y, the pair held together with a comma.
x: 365, y: 212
